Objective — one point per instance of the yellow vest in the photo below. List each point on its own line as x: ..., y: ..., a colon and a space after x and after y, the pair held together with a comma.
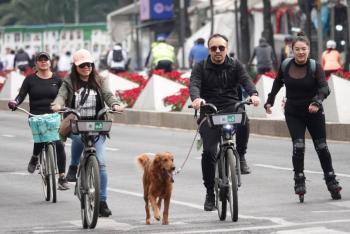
x: 162, y: 51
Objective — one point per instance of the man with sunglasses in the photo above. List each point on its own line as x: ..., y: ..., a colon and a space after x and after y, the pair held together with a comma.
x: 217, y: 80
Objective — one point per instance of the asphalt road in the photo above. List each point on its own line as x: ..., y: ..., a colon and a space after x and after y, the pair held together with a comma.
x: 267, y: 203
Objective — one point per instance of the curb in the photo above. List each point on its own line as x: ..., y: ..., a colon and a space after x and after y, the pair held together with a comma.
x: 269, y: 127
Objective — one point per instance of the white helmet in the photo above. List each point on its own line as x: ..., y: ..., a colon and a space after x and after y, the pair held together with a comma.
x: 331, y: 44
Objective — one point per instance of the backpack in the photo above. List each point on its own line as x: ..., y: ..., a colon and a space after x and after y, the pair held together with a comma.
x: 287, y: 60
x: 117, y: 56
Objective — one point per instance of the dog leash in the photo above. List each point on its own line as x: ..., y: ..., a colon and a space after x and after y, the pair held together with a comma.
x: 189, y: 152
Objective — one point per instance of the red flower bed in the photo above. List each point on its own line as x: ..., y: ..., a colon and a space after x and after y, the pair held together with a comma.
x: 130, y: 96
x: 173, y: 75
x: 270, y: 74
x: 178, y: 100
x: 134, y: 77
x: 342, y: 74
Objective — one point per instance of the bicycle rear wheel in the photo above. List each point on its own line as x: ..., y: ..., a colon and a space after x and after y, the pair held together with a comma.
x: 233, y: 188
x: 43, y: 171
x: 219, y: 188
x: 91, y: 196
x: 51, y: 172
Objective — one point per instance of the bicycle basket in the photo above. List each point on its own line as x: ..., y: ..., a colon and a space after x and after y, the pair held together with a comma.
x: 230, y: 118
x: 93, y: 126
x: 45, y: 127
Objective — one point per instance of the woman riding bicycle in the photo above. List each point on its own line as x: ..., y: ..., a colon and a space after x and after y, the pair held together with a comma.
x: 217, y: 80
x: 86, y: 90
x: 42, y: 88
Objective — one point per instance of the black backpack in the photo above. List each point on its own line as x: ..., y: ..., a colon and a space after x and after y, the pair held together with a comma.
x: 117, y: 55
x: 287, y: 60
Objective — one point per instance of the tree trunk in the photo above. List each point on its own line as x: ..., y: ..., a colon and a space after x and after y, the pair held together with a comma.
x: 268, y: 31
x: 245, y: 38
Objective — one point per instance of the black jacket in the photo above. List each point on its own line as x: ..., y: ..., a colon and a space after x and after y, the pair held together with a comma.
x: 219, y: 84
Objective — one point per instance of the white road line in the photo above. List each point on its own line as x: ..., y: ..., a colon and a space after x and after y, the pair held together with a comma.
x: 230, y: 230
x: 290, y: 169
x: 278, y: 221
x: 8, y: 135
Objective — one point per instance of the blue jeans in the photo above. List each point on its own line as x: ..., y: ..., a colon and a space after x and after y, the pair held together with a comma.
x: 76, y: 152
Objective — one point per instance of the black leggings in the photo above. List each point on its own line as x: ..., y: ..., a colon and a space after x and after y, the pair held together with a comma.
x: 315, y: 123
x: 61, y: 154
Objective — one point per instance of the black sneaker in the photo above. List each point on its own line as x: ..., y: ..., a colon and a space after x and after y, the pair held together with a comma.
x: 32, y: 164
x: 72, y: 174
x: 209, y: 204
x: 244, y: 167
x: 104, y: 210
x: 63, y: 183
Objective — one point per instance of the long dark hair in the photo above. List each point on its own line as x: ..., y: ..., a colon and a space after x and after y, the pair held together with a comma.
x: 77, y: 82
x: 301, y: 37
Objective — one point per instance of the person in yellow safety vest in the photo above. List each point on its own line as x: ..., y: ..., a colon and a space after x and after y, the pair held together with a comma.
x: 331, y: 60
x: 163, y: 55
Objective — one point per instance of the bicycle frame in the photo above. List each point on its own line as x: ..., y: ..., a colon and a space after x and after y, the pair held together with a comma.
x: 227, y: 142
x: 45, y: 166
x: 87, y: 188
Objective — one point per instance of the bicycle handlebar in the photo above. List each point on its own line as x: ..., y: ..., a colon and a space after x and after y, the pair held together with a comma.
x: 102, y: 112
x: 28, y: 113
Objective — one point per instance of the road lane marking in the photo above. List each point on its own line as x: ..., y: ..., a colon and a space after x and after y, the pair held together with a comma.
x: 257, y: 228
x: 290, y: 169
x: 8, y: 135
x: 318, y: 230
x: 276, y: 220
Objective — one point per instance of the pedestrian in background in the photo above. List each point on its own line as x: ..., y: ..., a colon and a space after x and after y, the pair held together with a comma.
x: 117, y: 59
x: 331, y: 60
x: 265, y: 57
x: 305, y: 91
x: 22, y: 60
x: 198, y: 53
x: 287, y: 51
x: 162, y: 55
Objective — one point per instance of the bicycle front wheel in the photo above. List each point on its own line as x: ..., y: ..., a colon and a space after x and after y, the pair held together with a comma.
x: 44, y: 171
x: 231, y: 167
x: 51, y: 173
x: 92, y: 192
x: 220, y: 190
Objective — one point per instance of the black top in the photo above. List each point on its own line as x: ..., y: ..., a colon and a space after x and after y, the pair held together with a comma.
x: 303, y: 86
x: 41, y: 93
x: 219, y: 84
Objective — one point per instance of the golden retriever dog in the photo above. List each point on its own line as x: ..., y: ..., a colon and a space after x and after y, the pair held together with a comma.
x: 157, y: 183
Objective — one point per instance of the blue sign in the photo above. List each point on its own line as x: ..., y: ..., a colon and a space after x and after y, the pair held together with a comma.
x: 156, y: 9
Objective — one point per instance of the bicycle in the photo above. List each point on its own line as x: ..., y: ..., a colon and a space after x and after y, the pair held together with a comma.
x: 45, y: 130
x: 87, y: 187
x: 227, y: 168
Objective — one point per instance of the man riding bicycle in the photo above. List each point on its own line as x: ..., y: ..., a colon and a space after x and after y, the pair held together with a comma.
x: 217, y: 80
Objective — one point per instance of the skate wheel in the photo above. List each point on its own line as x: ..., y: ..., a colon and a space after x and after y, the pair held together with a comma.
x: 336, y: 196
x: 301, y: 198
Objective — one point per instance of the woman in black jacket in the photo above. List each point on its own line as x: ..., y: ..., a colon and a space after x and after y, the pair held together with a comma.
x: 306, y: 88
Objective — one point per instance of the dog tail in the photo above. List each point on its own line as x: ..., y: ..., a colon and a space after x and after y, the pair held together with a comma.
x: 142, y: 160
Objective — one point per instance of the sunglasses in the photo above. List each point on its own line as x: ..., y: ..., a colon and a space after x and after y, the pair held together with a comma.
x: 85, y: 64
x: 215, y: 48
